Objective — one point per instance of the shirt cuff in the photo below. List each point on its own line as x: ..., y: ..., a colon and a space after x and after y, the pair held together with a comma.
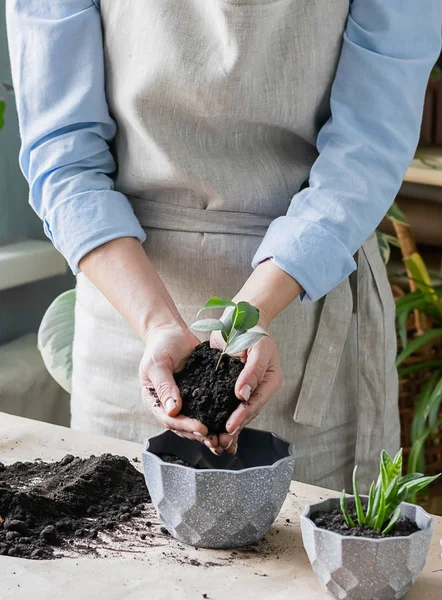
x: 311, y: 254
x: 87, y: 220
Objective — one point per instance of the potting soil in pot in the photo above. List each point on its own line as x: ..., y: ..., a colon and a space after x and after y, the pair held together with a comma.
x: 46, y: 506
x: 208, y: 393
x: 176, y: 460
x: 334, y: 521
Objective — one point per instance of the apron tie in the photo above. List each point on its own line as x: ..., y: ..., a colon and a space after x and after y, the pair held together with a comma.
x: 325, y: 355
x: 156, y: 215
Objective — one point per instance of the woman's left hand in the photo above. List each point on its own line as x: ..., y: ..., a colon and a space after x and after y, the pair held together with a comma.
x: 260, y: 379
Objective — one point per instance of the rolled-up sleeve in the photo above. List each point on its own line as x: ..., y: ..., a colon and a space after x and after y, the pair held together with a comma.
x: 56, y: 50
x: 388, y: 51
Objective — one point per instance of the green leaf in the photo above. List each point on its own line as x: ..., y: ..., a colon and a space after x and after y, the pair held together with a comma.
x: 380, y: 513
x: 358, y: 503
x: 391, y: 491
x: 370, y: 504
x: 216, y: 302
x: 208, y: 325
x: 344, y: 511
x: 411, y: 302
x: 376, y: 502
x: 243, y: 342
x: 414, y: 487
x: 418, y: 342
x: 392, y: 240
x: 56, y: 336
x: 245, y: 316
x: 410, y: 477
x: 390, y: 468
x: 396, y: 470
x: 384, y: 476
x: 428, y: 364
x: 435, y: 75
x: 227, y: 329
x: 387, y: 461
x: 416, y: 458
x: 421, y: 410
x: 402, y: 327
x: 394, y: 519
x: 384, y: 247
x: 434, y: 404
x: 2, y: 113
x: 395, y: 214
x: 419, y: 272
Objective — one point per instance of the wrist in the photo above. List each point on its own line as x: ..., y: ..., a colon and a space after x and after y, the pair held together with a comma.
x: 164, y: 320
x: 270, y: 289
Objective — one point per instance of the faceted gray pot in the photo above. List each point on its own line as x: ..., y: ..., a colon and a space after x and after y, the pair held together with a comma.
x: 232, y: 501
x: 356, y: 568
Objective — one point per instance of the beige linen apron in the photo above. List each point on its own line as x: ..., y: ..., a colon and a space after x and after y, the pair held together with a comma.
x: 218, y: 105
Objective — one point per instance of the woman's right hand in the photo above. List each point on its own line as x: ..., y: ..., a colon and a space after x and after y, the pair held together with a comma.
x: 167, y: 349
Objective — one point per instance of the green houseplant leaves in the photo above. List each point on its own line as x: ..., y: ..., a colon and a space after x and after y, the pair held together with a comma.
x: 384, y: 239
x: 56, y: 336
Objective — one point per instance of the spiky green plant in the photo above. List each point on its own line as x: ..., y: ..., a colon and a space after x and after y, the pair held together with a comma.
x: 382, y: 509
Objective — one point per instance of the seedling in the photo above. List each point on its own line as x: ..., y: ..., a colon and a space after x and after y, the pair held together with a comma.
x: 234, y: 327
x: 384, y: 498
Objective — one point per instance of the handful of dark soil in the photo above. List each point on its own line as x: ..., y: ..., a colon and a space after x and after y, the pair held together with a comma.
x: 47, y: 505
x: 208, y: 393
x: 334, y: 521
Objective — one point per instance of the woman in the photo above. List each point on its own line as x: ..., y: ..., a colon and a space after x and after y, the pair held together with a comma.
x: 217, y: 109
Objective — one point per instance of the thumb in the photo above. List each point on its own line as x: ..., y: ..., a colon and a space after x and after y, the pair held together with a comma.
x: 167, y: 390
x: 258, y: 360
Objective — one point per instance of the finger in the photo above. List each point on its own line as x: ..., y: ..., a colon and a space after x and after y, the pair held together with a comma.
x: 233, y: 449
x: 186, y: 425
x: 247, y: 411
x: 229, y: 443
x: 257, y: 362
x: 179, y: 423
x: 185, y: 435
x: 226, y: 439
x: 165, y: 387
x: 215, y: 449
x: 211, y: 442
x: 190, y: 436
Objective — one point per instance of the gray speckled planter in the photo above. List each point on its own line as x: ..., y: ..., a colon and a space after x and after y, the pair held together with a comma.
x: 354, y: 568
x: 230, y: 503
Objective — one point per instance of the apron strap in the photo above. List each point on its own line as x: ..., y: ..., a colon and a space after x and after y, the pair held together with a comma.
x: 323, y: 361
x: 373, y: 295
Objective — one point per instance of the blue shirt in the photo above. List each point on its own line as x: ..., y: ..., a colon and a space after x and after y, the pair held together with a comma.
x: 388, y: 50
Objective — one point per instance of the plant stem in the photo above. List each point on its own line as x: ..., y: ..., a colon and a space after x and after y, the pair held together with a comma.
x: 219, y: 360
x: 230, y: 337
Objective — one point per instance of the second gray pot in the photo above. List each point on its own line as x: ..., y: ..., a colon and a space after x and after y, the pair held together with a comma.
x: 357, y: 568
x: 233, y: 501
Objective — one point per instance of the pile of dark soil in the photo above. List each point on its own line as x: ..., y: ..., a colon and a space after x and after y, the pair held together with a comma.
x: 334, y: 521
x: 47, y: 505
x: 208, y: 393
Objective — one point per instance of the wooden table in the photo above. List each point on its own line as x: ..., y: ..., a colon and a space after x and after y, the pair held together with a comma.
x: 278, y: 570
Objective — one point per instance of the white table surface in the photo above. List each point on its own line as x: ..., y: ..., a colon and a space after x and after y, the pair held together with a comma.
x: 279, y: 569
